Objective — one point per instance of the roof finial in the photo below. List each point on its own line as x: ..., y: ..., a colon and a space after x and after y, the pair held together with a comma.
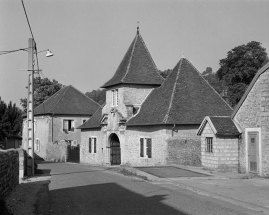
x: 183, y: 55
x: 137, y: 28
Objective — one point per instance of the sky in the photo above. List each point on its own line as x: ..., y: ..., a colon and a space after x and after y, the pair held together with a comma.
x: 90, y: 37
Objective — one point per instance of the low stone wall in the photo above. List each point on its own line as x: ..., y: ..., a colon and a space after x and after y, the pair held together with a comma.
x: 9, y: 171
x: 184, y: 151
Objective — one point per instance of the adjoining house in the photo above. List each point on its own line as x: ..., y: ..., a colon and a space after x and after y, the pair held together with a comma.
x: 147, y: 120
x: 56, y: 120
x: 219, y: 143
x: 252, y: 115
x: 249, y: 131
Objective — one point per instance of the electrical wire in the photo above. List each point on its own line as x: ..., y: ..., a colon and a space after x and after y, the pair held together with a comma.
x: 27, y: 19
x: 11, y: 51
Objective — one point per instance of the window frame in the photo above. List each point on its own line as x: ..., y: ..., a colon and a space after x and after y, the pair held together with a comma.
x: 92, y: 145
x: 71, y: 129
x: 115, y: 97
x: 209, y: 144
x: 144, y: 150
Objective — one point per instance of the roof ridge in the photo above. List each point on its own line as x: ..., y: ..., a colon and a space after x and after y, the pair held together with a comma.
x: 173, y: 93
x: 208, y: 83
x: 84, y: 95
x: 129, y: 64
x: 150, y: 56
x: 60, y: 98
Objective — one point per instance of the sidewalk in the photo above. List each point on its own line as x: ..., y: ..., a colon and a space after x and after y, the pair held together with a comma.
x: 251, y: 192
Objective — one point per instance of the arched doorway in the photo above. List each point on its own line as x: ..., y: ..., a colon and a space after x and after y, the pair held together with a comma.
x: 115, y: 155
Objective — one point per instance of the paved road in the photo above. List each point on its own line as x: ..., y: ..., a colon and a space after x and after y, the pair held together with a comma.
x: 81, y: 189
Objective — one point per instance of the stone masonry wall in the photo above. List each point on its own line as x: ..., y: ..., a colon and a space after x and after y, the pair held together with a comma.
x: 183, y: 145
x: 225, y: 151
x: 93, y: 158
x: 184, y: 151
x: 9, y: 171
x: 254, y: 113
x: 130, y: 145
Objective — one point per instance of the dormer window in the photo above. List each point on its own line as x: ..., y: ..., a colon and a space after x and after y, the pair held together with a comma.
x: 114, y: 97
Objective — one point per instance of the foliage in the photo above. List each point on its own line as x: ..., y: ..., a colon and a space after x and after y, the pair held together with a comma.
x: 213, y: 80
x: 239, y: 67
x: 165, y: 73
x: 43, y: 89
x: 98, y: 96
x: 10, y: 120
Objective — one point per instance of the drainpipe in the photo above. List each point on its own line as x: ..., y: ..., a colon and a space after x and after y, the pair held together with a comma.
x: 173, y: 129
x: 52, y: 128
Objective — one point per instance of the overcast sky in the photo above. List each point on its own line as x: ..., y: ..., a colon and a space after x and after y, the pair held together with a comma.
x: 90, y: 38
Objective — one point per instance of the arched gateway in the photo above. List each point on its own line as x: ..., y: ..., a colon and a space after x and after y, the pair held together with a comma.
x: 115, y: 155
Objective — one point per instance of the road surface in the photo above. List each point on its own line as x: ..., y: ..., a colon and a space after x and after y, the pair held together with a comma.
x: 82, y: 189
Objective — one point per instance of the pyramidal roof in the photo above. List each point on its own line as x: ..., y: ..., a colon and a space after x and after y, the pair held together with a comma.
x: 67, y: 100
x: 185, y: 97
x: 137, y: 66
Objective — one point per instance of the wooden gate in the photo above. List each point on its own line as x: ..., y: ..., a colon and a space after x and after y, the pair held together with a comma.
x: 72, y: 153
x: 115, y: 151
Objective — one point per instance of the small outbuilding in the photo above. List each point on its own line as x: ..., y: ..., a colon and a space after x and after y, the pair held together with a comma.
x: 220, y: 137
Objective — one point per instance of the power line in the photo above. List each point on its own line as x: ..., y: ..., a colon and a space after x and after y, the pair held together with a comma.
x: 11, y: 51
x: 27, y: 19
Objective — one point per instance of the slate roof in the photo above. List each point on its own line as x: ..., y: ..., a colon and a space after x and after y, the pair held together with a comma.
x: 221, y: 125
x: 67, y: 101
x: 137, y: 66
x: 261, y: 71
x: 185, y: 97
x: 94, y: 121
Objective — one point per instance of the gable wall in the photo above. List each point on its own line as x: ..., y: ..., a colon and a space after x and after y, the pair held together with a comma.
x: 253, y: 113
x: 225, y: 151
x: 42, y: 132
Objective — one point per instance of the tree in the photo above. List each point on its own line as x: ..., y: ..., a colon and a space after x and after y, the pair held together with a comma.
x: 165, y: 73
x: 213, y: 80
x: 43, y: 89
x: 240, y: 66
x: 10, y: 120
x: 98, y: 96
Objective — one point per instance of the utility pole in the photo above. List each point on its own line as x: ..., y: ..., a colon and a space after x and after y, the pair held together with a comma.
x: 30, y: 104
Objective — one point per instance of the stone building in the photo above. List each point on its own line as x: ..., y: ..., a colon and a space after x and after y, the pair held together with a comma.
x: 147, y: 120
x: 252, y: 115
x: 219, y: 143
x: 56, y: 120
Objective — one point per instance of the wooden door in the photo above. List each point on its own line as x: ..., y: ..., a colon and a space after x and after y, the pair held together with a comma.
x: 115, y: 153
x: 253, y: 151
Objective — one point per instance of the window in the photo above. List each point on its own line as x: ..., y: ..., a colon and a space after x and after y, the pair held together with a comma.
x: 68, y: 125
x: 146, y: 147
x: 37, y: 145
x: 209, y: 144
x: 92, y: 144
x: 114, y: 97
x: 84, y: 120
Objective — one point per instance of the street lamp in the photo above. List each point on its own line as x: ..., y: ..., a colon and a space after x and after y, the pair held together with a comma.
x: 48, y: 54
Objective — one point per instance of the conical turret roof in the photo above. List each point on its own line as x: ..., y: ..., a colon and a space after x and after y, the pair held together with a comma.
x: 137, y: 66
x: 185, y: 97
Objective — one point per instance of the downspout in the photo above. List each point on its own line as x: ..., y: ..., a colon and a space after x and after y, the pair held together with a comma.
x: 52, y: 128
x: 173, y: 129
